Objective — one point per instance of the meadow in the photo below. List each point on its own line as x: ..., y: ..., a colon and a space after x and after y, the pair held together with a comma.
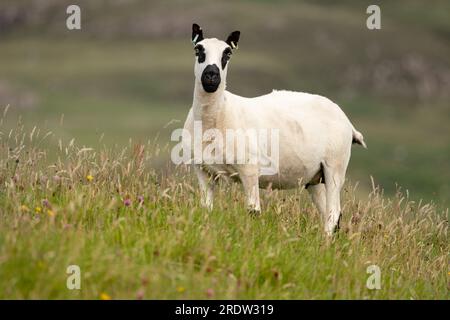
x: 138, y: 235
x: 85, y: 176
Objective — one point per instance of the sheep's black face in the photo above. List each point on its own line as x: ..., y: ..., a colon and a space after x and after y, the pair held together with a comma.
x: 212, y: 59
x: 211, y: 78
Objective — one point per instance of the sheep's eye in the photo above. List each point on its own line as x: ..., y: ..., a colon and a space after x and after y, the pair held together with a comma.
x: 200, y: 53
x: 198, y: 49
x: 226, y: 57
x: 227, y: 54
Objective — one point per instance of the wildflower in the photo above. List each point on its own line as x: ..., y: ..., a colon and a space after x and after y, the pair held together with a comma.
x: 210, y: 292
x: 127, y: 202
x: 45, y: 203
x: 24, y: 208
x: 140, y: 294
x: 38, y: 209
x: 140, y: 199
x: 105, y: 296
x: 89, y: 178
x: 181, y: 289
x: 50, y: 213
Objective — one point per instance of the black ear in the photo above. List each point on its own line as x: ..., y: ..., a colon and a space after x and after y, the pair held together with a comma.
x: 197, y: 34
x: 233, y: 39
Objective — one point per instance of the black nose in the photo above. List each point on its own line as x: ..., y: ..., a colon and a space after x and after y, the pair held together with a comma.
x: 211, y: 78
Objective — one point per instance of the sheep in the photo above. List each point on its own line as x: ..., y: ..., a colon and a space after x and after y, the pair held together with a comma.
x: 314, y: 141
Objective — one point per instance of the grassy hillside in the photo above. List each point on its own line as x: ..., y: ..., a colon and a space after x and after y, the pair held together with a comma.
x: 136, y: 235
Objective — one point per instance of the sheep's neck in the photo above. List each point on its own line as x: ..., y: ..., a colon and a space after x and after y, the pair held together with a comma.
x: 208, y: 106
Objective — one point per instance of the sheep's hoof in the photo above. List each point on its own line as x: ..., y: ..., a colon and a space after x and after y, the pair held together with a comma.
x: 338, y: 224
x: 254, y: 213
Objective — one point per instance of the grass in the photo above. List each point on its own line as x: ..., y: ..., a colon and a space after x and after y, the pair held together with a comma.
x: 139, y: 232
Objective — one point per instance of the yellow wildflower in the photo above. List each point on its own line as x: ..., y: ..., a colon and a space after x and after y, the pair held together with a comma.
x: 105, y: 296
x: 181, y: 289
x: 24, y: 208
x: 50, y: 213
x: 38, y: 209
x: 89, y: 178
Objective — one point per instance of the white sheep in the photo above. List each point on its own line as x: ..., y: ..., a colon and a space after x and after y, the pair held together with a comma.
x: 315, y: 136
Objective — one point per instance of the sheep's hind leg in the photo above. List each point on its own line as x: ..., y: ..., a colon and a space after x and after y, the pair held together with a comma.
x: 206, y: 187
x: 334, y: 180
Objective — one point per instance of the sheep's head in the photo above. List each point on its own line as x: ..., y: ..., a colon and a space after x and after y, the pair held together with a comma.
x: 211, y: 58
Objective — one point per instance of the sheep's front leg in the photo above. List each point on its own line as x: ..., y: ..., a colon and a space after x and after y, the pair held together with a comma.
x: 206, y: 187
x: 251, y: 188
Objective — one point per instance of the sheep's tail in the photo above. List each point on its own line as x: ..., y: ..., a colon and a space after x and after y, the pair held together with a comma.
x: 358, y: 138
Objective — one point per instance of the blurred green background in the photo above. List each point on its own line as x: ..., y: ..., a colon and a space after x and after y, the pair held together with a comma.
x: 129, y: 73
